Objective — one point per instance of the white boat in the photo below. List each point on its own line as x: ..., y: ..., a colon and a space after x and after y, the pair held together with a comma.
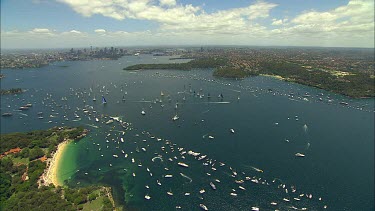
x: 109, y: 122
x: 183, y: 164
x: 212, y: 185
x: 96, y: 120
x: 232, y: 130
x: 143, y: 112
x: 233, y: 194
x: 168, y: 176
x: 211, y: 137
x: 203, y: 206
x: 170, y: 193
x: 202, y: 191
x: 254, y: 208
x: 175, y: 117
x: 242, y: 188
x: 147, y: 197
x: 299, y: 154
x: 161, y: 93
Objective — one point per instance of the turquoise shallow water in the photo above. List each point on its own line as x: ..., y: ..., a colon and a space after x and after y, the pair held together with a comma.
x: 269, y: 129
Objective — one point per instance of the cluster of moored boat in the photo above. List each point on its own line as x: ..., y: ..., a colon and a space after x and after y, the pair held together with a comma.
x: 239, y: 180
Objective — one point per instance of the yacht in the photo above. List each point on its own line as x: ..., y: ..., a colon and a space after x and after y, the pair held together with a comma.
x: 213, y: 185
x: 203, y: 206
x: 170, y: 193
x: 6, y: 114
x: 254, y: 208
x: 175, y: 117
x: 183, y: 164
x: 147, y: 197
x: 300, y: 155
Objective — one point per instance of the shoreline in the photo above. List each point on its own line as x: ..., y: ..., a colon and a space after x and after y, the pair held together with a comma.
x: 50, y: 176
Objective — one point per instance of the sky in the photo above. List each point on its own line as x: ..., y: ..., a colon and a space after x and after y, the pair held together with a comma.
x: 99, y: 23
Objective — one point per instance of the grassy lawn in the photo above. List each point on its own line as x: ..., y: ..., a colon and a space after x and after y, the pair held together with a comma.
x: 24, y: 161
x: 94, y: 205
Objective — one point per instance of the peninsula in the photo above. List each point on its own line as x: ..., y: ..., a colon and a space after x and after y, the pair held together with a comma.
x: 347, y: 72
x: 28, y: 173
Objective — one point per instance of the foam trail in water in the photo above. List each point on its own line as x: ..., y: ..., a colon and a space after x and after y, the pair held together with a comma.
x: 157, y: 157
x: 305, y: 128
x: 183, y: 175
x: 94, y: 126
x: 234, y: 90
x: 307, y: 146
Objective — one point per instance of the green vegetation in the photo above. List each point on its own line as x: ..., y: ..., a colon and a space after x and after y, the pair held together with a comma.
x: 354, y: 85
x: 11, y: 91
x: 197, y: 63
x: 231, y: 72
x: 40, y: 138
x: 20, y: 171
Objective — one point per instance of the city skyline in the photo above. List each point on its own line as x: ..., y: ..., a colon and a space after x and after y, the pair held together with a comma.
x: 65, y: 23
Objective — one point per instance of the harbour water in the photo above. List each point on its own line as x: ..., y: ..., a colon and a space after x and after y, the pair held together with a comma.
x: 272, y: 121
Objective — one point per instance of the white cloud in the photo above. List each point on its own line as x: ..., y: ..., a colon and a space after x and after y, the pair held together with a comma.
x: 168, y: 2
x: 75, y: 32
x: 178, y: 17
x: 350, y: 25
x: 40, y: 31
x: 276, y: 22
x: 100, y: 31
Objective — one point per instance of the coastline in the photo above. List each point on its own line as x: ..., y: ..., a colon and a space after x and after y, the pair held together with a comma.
x: 50, y: 176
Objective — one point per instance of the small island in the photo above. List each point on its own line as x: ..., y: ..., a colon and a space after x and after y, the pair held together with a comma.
x: 11, y: 91
x: 26, y: 160
x: 351, y: 84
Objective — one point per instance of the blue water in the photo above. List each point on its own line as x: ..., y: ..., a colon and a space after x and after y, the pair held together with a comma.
x: 269, y: 125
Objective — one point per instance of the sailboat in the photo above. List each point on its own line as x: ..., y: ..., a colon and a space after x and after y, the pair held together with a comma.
x: 103, y: 100
x: 175, y: 117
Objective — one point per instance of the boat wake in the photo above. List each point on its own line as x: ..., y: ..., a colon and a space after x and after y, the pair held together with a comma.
x: 183, y: 175
x: 157, y: 157
x: 305, y: 128
x: 94, y: 126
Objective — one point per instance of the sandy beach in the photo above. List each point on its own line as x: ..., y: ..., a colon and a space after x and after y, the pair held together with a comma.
x: 50, y: 176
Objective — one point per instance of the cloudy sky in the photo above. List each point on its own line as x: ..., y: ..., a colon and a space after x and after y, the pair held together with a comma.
x: 82, y: 23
